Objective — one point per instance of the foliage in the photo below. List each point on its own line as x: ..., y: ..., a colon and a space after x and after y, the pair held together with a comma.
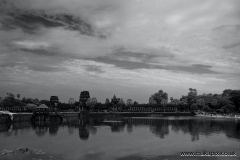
x: 121, y: 103
x: 192, y: 95
x: 228, y: 108
x: 164, y: 102
x: 214, y: 103
x: 71, y: 101
x: 235, y: 98
x: 91, y: 102
x: 135, y: 103
x: 46, y: 102
x: 228, y: 101
x: 129, y: 102
x: 200, y: 103
x: 194, y: 107
x: 175, y: 101
x: 152, y: 101
x: 10, y: 100
x: 205, y: 108
x: 159, y: 97
x: 30, y: 100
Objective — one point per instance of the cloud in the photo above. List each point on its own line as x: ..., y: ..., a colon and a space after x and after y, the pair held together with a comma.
x: 91, y: 68
x: 31, y: 45
x: 123, y: 44
x: 100, y: 77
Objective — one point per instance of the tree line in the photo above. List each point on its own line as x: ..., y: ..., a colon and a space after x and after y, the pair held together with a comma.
x: 227, y: 102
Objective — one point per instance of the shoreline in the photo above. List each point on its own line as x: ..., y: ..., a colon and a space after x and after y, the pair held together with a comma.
x: 210, y: 115
x: 138, y: 114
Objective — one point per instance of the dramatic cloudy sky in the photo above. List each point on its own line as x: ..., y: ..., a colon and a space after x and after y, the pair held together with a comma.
x: 131, y: 48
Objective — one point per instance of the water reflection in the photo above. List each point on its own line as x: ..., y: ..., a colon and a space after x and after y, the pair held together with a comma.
x: 160, y: 127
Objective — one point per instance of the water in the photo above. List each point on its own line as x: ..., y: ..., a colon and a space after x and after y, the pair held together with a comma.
x: 121, y: 138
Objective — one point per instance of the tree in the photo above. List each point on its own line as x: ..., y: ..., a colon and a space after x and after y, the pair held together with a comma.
x: 235, y: 98
x: 91, y: 102
x: 194, y: 107
x: 228, y: 108
x: 46, y: 102
x: 226, y: 104
x: 152, y: 101
x: 159, y: 96
x: 176, y: 102
x: 10, y: 95
x: 129, y: 102
x: 205, y: 108
x: 36, y: 101
x: 183, y: 103
x: 226, y: 92
x: 9, y: 100
x: 121, y: 104
x: 135, y: 103
x: 214, y: 103
x: 192, y: 95
x: 200, y: 103
x: 71, y: 101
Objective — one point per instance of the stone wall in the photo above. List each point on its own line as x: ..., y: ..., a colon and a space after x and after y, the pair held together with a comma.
x: 19, y: 117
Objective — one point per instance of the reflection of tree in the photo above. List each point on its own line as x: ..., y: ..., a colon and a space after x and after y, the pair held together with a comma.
x: 193, y: 127
x: 116, y: 124
x: 92, y: 130
x: 40, y: 131
x: 117, y: 127
x: 233, y: 130
x: 160, y: 129
x: 4, y: 127
x: 53, y: 129
x: 40, y: 127
x: 129, y: 128
x: 70, y: 129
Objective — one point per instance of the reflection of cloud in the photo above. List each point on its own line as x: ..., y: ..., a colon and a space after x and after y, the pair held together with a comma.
x: 93, y: 156
x: 168, y: 157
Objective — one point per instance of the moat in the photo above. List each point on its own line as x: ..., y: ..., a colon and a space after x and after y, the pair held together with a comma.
x: 120, y: 138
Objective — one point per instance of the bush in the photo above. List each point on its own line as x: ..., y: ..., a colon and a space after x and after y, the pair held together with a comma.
x: 205, y: 108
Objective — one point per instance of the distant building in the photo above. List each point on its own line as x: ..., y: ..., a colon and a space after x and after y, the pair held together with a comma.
x: 42, y: 108
x: 153, y: 108
x: 114, y: 102
x: 54, y: 101
x: 84, y: 95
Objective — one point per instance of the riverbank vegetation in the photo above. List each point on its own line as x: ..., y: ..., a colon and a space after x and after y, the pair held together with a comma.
x: 227, y: 102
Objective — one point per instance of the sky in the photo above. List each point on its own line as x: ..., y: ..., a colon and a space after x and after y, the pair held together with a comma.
x: 127, y: 48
